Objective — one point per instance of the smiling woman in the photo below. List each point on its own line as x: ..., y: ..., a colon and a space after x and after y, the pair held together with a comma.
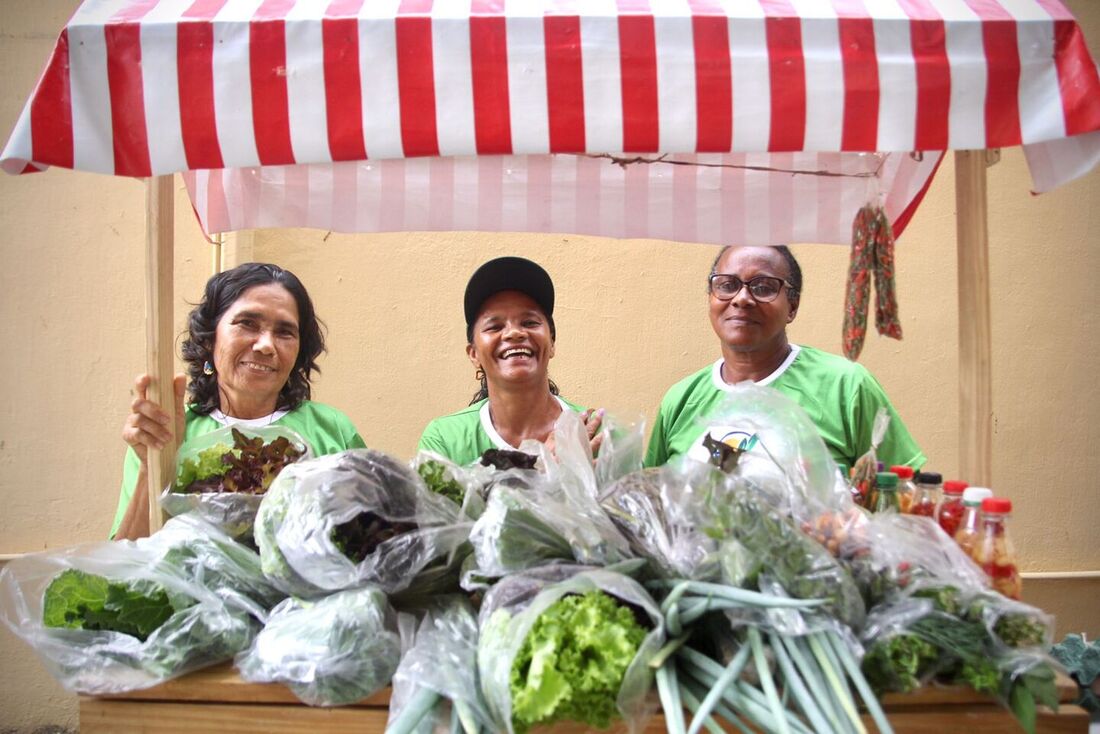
x: 251, y: 351
x: 510, y: 334
x: 753, y: 293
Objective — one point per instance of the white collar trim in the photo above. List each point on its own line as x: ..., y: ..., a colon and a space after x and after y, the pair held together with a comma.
x: 266, y: 420
x: 491, y: 431
x: 719, y: 383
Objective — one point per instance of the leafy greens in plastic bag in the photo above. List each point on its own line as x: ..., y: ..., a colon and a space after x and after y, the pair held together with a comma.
x: 330, y: 652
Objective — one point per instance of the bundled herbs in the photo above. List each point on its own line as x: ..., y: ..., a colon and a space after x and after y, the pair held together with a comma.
x: 330, y: 652
x: 991, y: 644
x: 353, y: 518
x: 112, y: 617
x: 566, y: 644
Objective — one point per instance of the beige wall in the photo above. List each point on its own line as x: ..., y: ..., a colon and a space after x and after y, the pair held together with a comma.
x: 631, y: 320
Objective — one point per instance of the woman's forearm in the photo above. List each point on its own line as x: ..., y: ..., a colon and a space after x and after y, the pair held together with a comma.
x: 135, y: 523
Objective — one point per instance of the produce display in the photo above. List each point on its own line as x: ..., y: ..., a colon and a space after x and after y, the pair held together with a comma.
x: 110, y: 617
x: 224, y: 474
x: 524, y: 590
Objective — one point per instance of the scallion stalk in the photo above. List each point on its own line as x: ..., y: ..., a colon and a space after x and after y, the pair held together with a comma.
x: 715, y: 693
x: 860, y: 682
x: 766, y: 681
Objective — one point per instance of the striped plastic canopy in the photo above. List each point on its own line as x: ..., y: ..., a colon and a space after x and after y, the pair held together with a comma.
x: 560, y: 115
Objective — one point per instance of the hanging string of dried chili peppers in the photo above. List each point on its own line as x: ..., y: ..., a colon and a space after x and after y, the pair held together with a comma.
x: 872, y: 256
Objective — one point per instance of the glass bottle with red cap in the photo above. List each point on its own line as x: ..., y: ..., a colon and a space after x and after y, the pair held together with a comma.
x: 994, y: 552
x: 926, y: 495
x: 905, y: 486
x: 970, y: 526
x: 949, y: 513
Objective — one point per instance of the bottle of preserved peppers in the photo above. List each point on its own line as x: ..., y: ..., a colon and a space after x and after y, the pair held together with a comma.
x: 949, y: 513
x: 906, y: 488
x: 995, y: 553
x: 886, y: 492
x: 970, y: 525
x: 926, y: 496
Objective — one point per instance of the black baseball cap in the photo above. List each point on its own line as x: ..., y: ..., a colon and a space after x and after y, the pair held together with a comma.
x: 508, y: 274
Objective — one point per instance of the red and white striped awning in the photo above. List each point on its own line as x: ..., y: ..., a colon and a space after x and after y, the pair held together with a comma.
x: 149, y: 87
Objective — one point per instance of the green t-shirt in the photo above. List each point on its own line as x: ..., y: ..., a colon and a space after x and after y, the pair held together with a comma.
x: 841, y: 397
x: 325, y: 428
x: 464, y: 436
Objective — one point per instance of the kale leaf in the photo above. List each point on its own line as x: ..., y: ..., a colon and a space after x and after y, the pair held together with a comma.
x: 79, y: 600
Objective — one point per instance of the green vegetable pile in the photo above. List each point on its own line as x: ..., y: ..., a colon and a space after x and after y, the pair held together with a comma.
x: 987, y: 644
x: 248, y: 466
x: 572, y: 662
x: 438, y: 479
x: 79, y: 600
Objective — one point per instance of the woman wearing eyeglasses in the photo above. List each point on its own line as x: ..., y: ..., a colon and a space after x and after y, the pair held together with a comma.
x: 753, y: 293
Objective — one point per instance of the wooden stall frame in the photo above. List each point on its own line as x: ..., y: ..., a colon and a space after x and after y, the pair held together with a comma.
x: 159, y: 312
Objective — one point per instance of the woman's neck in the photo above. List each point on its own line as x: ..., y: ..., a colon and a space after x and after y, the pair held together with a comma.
x: 738, y: 366
x: 238, y: 407
x: 523, y: 412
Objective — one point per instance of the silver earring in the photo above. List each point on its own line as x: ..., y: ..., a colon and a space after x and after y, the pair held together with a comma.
x: 207, y: 368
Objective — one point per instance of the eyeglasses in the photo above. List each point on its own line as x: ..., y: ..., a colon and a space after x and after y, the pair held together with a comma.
x: 763, y: 288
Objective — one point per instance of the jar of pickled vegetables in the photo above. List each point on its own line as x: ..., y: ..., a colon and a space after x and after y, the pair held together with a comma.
x: 949, y: 513
x: 994, y: 552
x: 886, y: 492
x: 926, y: 494
x: 905, y: 486
x: 970, y: 525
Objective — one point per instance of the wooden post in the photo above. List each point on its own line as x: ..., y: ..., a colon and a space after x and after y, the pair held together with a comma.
x: 159, y: 220
x: 975, y: 332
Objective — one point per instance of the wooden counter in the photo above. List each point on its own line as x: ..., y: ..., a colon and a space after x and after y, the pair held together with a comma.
x: 217, y: 700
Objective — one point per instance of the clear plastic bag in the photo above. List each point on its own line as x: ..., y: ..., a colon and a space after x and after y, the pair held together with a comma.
x: 373, y: 505
x: 781, y: 453
x: 531, y: 519
x: 863, y: 472
x: 650, y: 508
x: 210, y: 614
x: 330, y: 652
x: 511, y: 609
x: 439, y: 669
x: 233, y: 512
x: 462, y: 485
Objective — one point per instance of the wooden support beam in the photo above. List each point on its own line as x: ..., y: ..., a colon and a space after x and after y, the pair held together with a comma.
x: 975, y: 327
x: 160, y: 363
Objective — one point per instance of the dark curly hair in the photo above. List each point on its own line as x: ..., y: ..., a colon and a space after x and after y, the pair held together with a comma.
x: 222, y: 291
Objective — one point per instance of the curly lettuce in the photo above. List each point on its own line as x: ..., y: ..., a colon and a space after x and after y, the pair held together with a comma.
x: 572, y: 662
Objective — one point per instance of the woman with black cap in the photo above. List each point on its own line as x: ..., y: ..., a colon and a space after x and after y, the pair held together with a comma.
x: 510, y: 335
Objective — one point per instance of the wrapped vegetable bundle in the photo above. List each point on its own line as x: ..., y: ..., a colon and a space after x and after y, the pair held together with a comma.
x: 119, y: 616
x: 531, y: 519
x: 464, y: 486
x: 329, y: 652
x: 353, y: 518
x: 439, y: 671
x: 224, y: 474
x: 564, y: 643
x: 649, y: 508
